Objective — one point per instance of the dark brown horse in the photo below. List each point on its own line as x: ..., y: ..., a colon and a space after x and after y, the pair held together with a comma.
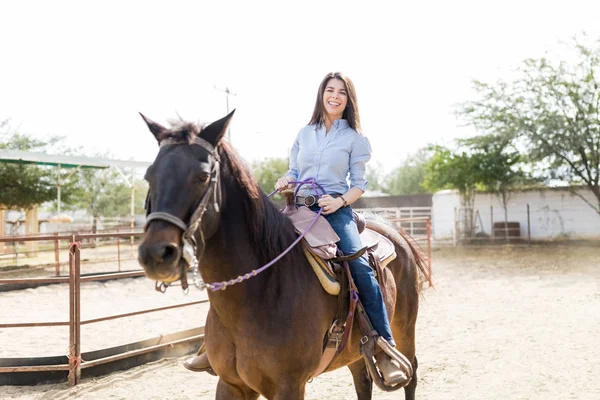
x: 264, y: 336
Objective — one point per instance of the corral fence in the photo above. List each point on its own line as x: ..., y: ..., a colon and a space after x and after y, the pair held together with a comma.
x: 47, y: 248
x: 10, y: 369
x: 416, y: 221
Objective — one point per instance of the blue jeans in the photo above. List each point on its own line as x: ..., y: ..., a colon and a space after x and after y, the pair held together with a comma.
x: 369, y: 292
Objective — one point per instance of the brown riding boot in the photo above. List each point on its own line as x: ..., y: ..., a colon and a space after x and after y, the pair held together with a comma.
x: 392, y: 374
x: 199, y: 363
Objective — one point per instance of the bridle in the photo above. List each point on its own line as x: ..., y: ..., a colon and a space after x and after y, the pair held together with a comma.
x: 190, y: 229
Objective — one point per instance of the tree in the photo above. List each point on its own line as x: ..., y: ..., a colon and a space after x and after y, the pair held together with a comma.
x: 501, y: 168
x: 25, y: 185
x: 447, y: 169
x: 408, y: 178
x: 374, y: 176
x: 268, y: 171
x: 103, y: 193
x: 552, y: 110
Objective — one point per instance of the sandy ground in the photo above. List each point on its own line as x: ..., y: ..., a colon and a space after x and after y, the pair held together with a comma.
x: 502, y: 322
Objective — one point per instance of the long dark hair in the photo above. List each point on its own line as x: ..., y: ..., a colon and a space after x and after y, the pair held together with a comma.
x: 350, y: 113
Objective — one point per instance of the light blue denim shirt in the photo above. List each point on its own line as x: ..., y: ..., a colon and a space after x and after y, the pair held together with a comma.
x: 337, y: 160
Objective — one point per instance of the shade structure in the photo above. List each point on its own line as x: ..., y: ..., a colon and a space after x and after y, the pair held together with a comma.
x: 66, y: 161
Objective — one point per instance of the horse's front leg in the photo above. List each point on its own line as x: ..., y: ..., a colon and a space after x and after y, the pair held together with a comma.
x: 226, y: 391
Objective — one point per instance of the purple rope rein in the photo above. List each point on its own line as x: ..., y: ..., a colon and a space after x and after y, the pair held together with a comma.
x: 224, y: 284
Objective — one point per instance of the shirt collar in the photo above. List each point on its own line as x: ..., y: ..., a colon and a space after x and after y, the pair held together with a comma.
x: 338, y: 125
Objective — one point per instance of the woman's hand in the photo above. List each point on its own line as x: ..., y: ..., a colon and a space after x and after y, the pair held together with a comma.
x: 282, y: 184
x: 330, y: 204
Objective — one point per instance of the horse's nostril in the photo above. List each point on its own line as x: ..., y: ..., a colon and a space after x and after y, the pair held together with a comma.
x: 169, y: 253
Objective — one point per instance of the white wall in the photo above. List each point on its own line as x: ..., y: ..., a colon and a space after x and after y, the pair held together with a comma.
x: 553, y: 213
x: 442, y: 213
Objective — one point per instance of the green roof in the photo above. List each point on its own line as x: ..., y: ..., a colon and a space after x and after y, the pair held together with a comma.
x: 62, y: 161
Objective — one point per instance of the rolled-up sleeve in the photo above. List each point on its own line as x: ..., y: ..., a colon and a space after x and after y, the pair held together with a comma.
x: 361, y: 153
x: 293, y: 172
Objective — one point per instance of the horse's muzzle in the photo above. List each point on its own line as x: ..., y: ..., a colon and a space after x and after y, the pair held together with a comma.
x: 160, y: 260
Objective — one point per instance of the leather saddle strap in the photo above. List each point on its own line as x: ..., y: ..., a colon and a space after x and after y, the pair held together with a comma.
x: 353, y: 296
x: 381, y: 276
x: 348, y: 298
x: 350, y: 257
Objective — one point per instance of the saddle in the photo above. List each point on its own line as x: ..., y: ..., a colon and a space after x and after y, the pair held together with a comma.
x: 320, y: 248
x: 334, y: 275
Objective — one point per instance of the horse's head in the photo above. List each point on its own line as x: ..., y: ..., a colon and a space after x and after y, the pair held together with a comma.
x: 183, y: 196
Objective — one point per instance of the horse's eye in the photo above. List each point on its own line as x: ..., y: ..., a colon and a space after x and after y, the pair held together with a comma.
x: 204, y: 177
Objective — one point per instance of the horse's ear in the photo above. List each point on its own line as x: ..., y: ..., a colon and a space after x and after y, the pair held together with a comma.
x: 214, y: 132
x: 154, y: 127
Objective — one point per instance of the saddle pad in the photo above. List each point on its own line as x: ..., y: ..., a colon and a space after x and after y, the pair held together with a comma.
x: 321, y: 232
x: 381, y: 245
x: 322, y: 269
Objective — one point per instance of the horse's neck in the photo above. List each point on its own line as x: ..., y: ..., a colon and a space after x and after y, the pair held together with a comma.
x: 231, y: 253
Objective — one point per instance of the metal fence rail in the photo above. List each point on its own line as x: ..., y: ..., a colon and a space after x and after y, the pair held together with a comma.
x: 76, y: 364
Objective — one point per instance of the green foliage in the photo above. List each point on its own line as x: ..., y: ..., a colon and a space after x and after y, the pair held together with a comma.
x: 374, y: 176
x: 409, y: 177
x: 141, y: 190
x: 447, y: 169
x: 268, y: 171
x: 24, y: 185
x: 500, y: 168
x: 551, y: 110
x: 104, y: 193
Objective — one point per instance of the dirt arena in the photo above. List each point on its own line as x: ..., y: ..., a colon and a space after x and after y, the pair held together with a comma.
x: 501, y: 322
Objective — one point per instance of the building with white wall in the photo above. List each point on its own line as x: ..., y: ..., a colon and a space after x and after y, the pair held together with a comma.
x: 554, y: 213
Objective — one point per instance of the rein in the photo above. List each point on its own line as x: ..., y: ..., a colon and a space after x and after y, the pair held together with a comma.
x: 189, y: 230
x: 241, y: 278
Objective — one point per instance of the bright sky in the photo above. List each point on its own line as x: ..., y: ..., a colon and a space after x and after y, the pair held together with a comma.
x: 83, y: 69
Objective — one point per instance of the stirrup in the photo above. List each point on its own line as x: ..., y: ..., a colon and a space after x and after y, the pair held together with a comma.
x: 395, y: 355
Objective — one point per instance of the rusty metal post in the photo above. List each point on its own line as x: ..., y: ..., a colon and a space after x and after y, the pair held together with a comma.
x: 429, y: 248
x: 74, y: 313
x: 71, y: 355
x: 56, y: 255
x: 78, y: 312
x: 118, y: 252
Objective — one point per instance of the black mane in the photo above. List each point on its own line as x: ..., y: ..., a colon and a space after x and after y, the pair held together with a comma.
x: 271, y: 232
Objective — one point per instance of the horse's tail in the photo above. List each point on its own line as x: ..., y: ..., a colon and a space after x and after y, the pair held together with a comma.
x: 421, y: 258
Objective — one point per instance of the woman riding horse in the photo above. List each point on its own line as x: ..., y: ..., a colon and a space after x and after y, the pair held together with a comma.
x: 269, y: 314
x: 330, y: 149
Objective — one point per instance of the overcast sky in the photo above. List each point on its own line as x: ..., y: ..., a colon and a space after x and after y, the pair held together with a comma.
x: 83, y: 69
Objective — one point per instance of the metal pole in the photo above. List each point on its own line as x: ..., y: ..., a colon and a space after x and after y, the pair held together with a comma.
x: 58, y: 191
x: 227, y: 94
x: 429, y: 248
x: 56, y: 255
x: 454, y: 236
x: 528, y: 225
x: 118, y: 251
x: 492, y: 222
x: 74, y: 312
x: 132, y: 222
x: 72, y: 329
x: 77, y: 312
